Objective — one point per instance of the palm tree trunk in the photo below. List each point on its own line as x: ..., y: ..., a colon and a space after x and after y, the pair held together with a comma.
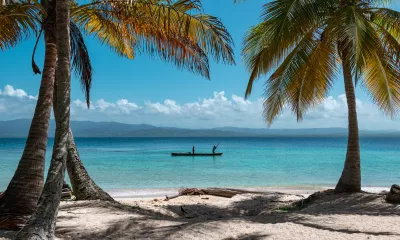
x: 83, y: 186
x: 20, y: 199
x: 42, y: 223
x: 350, y: 181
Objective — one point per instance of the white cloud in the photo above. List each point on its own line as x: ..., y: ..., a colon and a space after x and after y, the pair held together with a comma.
x: 9, y: 91
x: 169, y: 107
x: 218, y: 110
x: 16, y: 103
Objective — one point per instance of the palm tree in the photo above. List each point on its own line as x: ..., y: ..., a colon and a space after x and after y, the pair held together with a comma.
x: 42, y: 223
x: 303, y: 44
x: 20, y: 199
x: 167, y: 29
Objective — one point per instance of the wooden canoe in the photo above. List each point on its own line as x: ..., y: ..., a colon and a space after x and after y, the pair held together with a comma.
x: 196, y: 154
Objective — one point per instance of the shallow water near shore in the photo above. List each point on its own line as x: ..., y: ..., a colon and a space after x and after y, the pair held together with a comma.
x: 120, y: 164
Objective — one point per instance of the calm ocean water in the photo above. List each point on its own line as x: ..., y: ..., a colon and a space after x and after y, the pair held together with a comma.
x: 128, y: 163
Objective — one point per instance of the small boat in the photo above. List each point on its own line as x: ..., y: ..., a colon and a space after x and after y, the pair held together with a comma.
x: 196, y: 154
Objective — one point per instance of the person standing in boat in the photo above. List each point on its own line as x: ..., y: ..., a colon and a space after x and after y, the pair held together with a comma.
x: 214, y: 148
x: 193, y: 150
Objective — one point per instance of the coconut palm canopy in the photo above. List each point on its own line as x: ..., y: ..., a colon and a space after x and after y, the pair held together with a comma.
x: 300, y: 43
x: 176, y: 31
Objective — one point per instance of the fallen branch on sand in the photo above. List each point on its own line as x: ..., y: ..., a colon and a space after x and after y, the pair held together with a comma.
x: 219, y: 192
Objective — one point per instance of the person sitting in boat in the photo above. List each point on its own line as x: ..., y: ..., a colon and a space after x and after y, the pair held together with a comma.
x: 193, y: 150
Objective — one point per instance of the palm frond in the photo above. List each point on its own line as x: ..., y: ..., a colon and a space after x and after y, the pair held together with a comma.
x: 303, y: 79
x: 81, y: 61
x: 187, y: 5
x: 276, y: 94
x: 166, y: 26
x: 354, y: 37
x: 381, y: 75
x: 284, y: 24
x: 381, y: 79
x: 315, y: 79
x: 102, y: 26
x: 387, y: 19
x: 17, y: 21
x: 390, y: 43
x: 207, y: 31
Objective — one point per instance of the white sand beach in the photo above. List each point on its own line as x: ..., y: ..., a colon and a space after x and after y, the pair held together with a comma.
x: 244, y: 216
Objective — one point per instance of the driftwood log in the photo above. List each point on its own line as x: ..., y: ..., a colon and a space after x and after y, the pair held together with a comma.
x: 219, y: 192
x: 394, y: 195
x: 66, y: 194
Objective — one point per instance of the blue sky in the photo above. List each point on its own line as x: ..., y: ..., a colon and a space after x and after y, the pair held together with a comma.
x: 146, y: 79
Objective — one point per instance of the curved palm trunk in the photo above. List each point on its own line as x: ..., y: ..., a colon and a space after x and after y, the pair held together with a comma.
x: 43, y: 221
x: 83, y: 186
x: 350, y: 181
x: 20, y: 199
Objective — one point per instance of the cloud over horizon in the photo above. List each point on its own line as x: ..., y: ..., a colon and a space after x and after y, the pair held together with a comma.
x: 217, y: 111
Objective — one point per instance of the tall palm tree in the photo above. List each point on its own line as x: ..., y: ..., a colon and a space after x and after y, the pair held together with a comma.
x: 42, y: 223
x: 304, y: 44
x: 167, y: 29
x: 21, y: 197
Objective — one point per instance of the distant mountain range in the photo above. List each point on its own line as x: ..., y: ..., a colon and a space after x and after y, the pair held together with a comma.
x: 19, y: 129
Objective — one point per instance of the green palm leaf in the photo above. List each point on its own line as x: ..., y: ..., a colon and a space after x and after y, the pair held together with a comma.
x: 81, y: 61
x: 165, y: 29
x: 284, y: 24
x: 17, y: 21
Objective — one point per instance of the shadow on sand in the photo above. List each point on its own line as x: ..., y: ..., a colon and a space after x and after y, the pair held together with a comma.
x: 174, y: 221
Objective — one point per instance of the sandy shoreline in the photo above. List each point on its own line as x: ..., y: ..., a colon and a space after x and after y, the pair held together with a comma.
x: 269, y: 215
x: 162, y: 192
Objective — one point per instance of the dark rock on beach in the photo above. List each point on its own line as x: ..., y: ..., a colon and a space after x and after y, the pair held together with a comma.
x: 394, y: 195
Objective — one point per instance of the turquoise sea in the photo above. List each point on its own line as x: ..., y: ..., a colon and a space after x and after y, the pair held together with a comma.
x: 146, y: 163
